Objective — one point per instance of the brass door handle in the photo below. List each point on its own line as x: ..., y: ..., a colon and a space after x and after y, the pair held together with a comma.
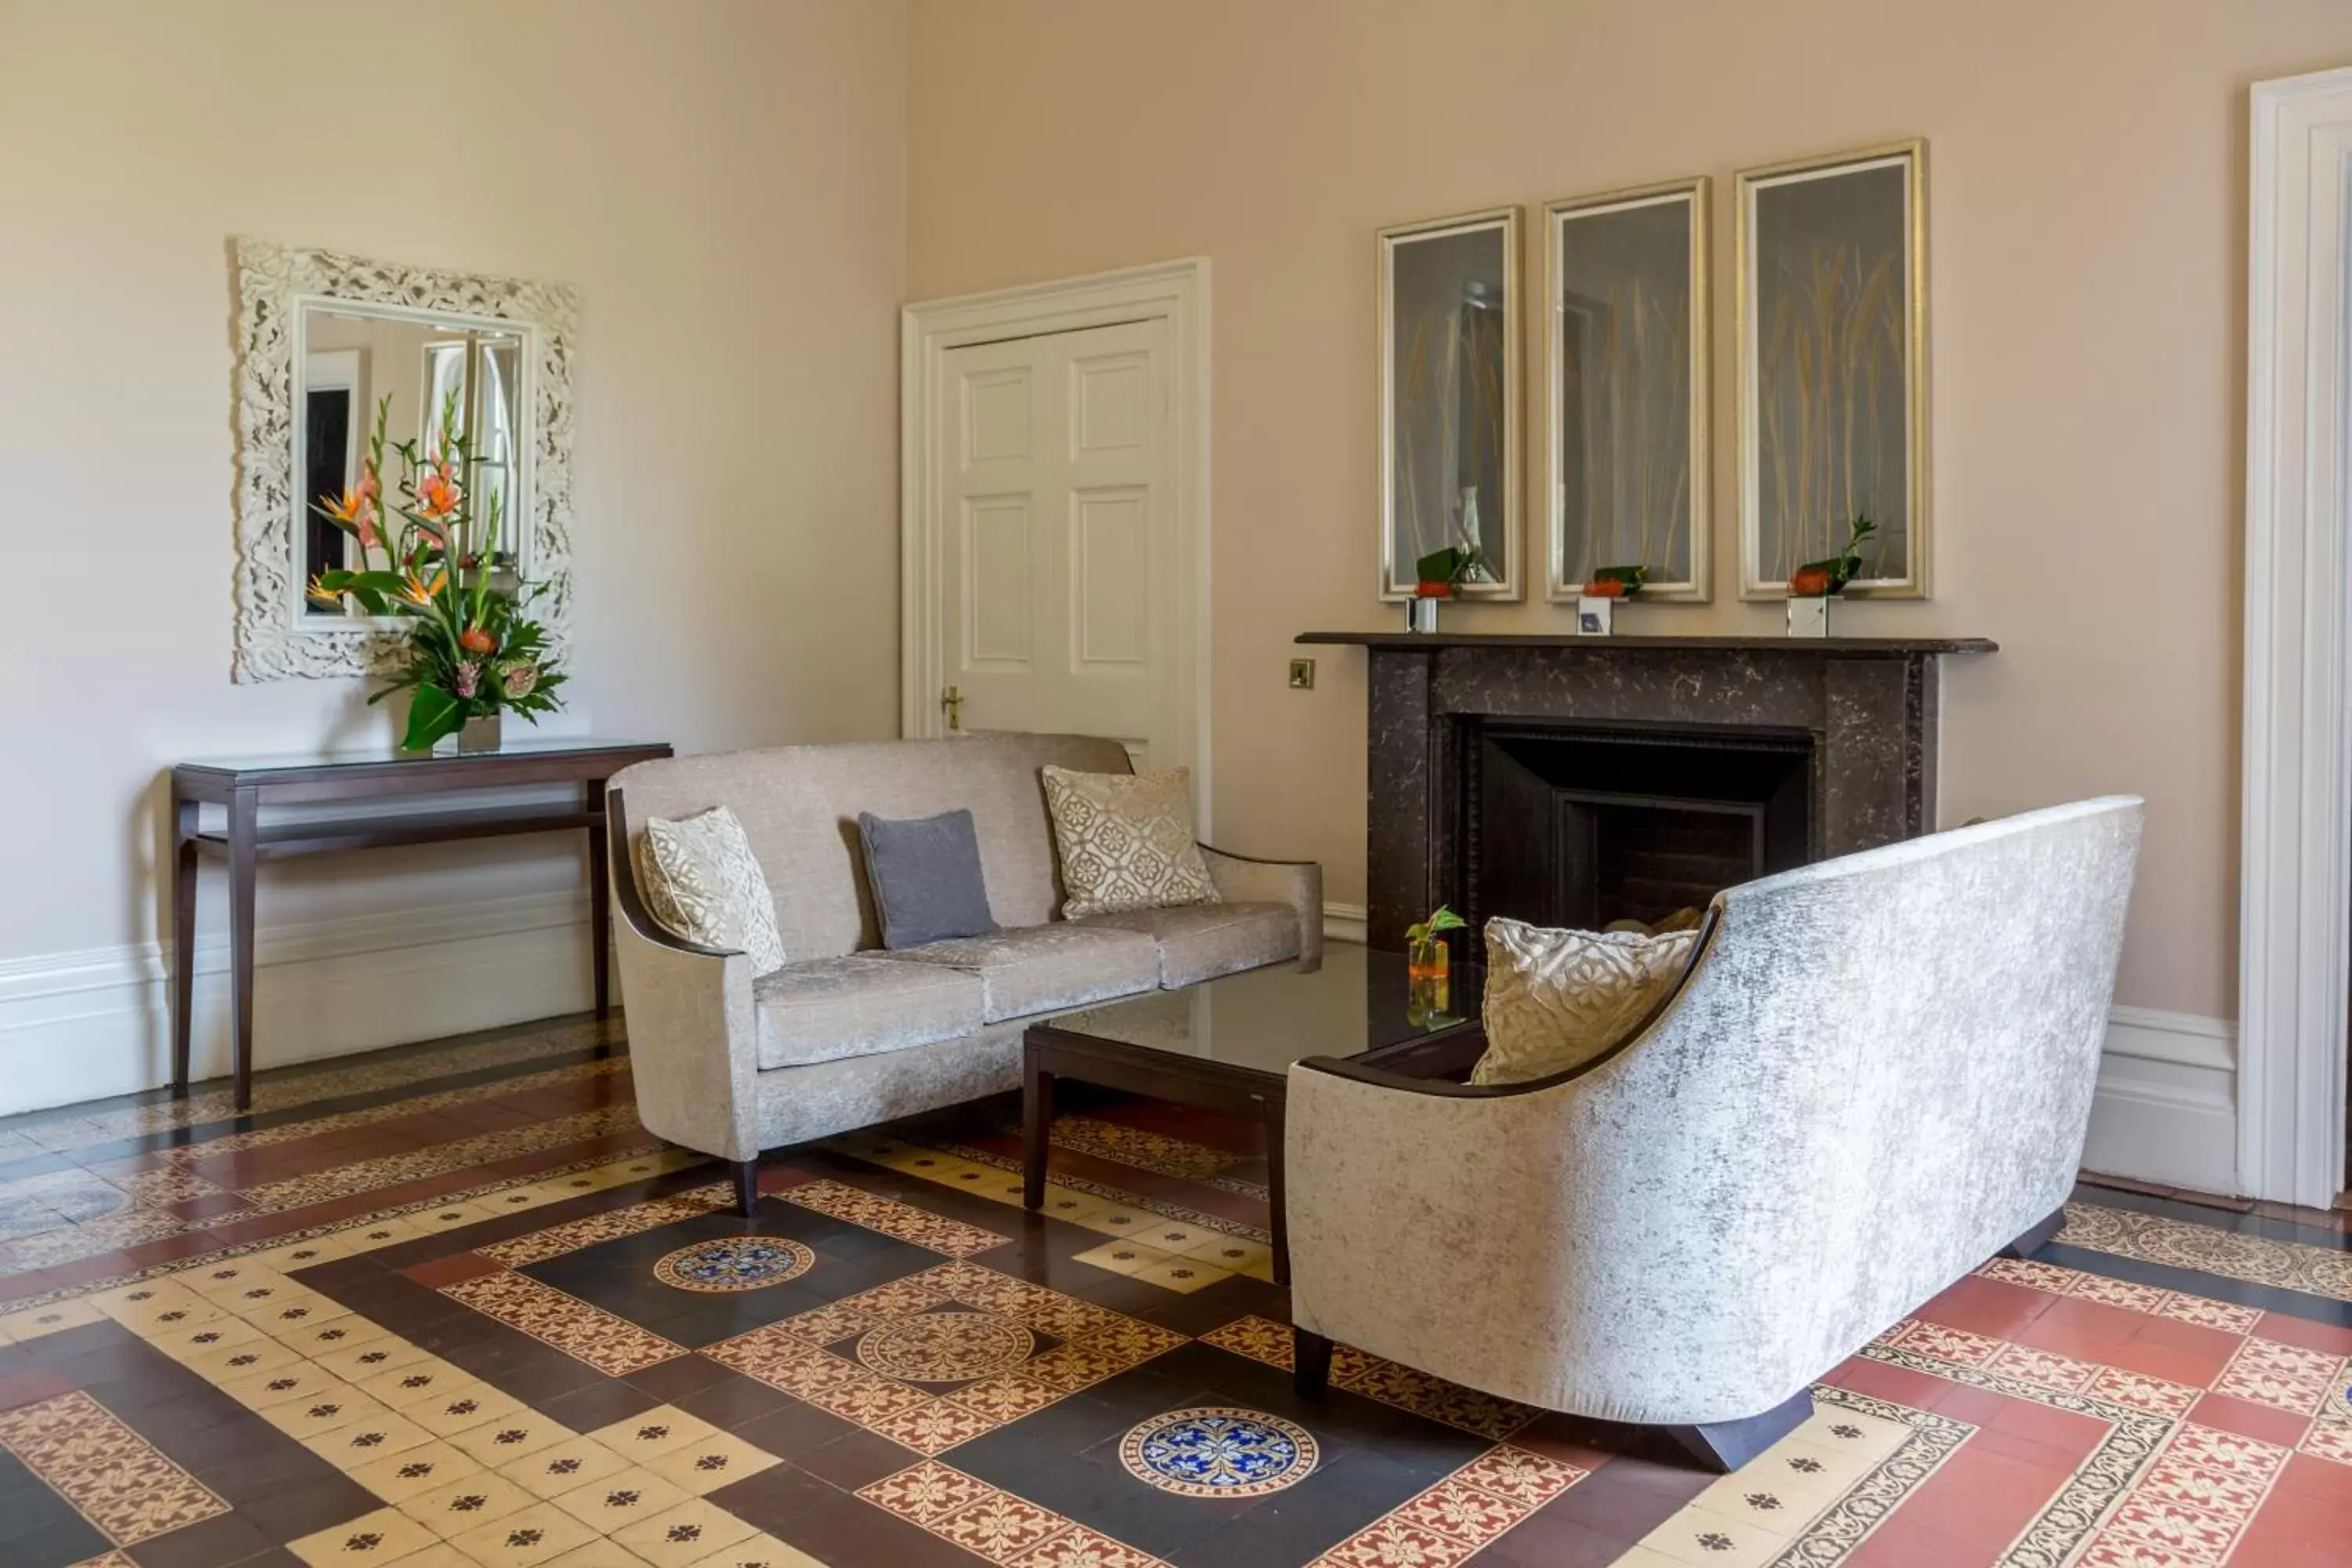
x: 952, y: 700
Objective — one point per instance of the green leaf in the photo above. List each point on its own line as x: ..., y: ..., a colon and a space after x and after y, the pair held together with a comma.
x: 433, y: 714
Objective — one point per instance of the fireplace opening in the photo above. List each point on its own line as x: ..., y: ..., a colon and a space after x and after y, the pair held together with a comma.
x: 1584, y: 826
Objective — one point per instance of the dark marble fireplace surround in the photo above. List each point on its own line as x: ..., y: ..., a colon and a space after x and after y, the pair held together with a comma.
x: 1863, y: 711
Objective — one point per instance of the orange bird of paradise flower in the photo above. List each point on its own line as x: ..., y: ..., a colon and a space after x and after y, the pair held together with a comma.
x: 418, y: 593
x: 436, y: 494
x: 355, y: 509
x: 324, y: 594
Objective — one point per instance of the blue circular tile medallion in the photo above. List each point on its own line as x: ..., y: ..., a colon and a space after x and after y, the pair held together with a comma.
x: 735, y: 1263
x: 1219, y: 1451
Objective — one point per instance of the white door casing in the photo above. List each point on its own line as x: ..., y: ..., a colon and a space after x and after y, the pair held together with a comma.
x: 1056, y: 434
x: 2294, y: 928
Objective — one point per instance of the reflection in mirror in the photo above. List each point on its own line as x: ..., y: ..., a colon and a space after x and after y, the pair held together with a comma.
x: 1452, y: 399
x: 425, y: 375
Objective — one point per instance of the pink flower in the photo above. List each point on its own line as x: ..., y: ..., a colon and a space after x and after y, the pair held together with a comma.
x: 521, y: 678
x: 469, y: 676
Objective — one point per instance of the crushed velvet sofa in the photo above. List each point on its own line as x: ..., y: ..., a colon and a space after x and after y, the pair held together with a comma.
x: 847, y: 1035
x: 1874, y: 1073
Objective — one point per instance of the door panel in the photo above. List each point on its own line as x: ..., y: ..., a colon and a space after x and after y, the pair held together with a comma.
x: 1055, y: 614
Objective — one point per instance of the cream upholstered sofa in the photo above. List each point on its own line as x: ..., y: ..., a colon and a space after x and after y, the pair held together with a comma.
x: 847, y: 1035
x: 1874, y: 1073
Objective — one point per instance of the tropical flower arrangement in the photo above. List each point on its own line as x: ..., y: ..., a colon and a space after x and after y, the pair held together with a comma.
x: 1441, y: 573
x: 472, y: 650
x: 1616, y: 582
x: 1827, y: 577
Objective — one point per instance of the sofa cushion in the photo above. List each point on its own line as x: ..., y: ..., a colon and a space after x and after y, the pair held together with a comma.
x: 1201, y: 941
x: 1557, y: 998
x: 1126, y: 841
x: 926, y: 877
x: 702, y: 882
x: 822, y: 1009
x: 1037, y: 969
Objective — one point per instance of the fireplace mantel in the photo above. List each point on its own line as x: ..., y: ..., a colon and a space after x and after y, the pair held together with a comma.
x: 1867, y: 707
x: 1837, y: 647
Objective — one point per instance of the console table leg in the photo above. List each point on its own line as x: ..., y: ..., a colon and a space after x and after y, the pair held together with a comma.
x: 184, y: 937
x: 242, y: 814
x: 1036, y: 1132
x: 600, y: 903
x: 1278, y: 1227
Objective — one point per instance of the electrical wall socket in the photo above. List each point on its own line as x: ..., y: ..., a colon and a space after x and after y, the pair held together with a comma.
x: 1302, y: 675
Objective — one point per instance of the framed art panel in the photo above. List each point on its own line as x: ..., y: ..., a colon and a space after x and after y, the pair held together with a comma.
x: 1626, y: 389
x: 1832, y: 327
x: 1449, y: 360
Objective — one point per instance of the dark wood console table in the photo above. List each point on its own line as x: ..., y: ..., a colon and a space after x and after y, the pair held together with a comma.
x: 244, y: 784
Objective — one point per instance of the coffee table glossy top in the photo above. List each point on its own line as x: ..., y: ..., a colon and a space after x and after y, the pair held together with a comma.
x: 1264, y: 1019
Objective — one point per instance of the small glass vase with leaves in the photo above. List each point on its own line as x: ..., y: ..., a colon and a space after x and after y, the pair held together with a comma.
x: 1812, y: 586
x: 1429, y: 967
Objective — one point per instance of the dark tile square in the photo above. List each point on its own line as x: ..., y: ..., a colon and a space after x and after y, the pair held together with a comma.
x: 619, y: 1274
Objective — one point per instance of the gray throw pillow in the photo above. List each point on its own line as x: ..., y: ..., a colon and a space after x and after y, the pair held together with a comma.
x: 926, y: 877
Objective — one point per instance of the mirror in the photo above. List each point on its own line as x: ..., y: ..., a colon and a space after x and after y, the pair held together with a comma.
x: 1450, y: 400
x: 425, y: 377
x: 325, y: 341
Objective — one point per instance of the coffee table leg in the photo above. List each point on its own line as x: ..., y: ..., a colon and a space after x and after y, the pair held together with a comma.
x: 1036, y: 1128
x: 1276, y: 1225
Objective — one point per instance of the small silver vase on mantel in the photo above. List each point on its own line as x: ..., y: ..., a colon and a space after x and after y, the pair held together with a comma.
x: 1421, y: 614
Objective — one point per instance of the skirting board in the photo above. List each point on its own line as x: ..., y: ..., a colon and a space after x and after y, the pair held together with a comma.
x: 2166, y: 1108
x: 85, y: 1026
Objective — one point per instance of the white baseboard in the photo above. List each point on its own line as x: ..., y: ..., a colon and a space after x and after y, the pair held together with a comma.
x: 1345, y: 922
x: 2167, y: 1107
x: 84, y: 1025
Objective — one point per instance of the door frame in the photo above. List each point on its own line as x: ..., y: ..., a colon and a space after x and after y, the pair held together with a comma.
x: 2294, y: 954
x: 1175, y: 292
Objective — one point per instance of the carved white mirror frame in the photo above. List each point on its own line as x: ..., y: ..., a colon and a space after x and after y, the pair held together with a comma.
x: 275, y: 283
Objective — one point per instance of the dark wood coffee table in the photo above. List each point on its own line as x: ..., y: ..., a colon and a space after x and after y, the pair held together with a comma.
x: 1227, y: 1044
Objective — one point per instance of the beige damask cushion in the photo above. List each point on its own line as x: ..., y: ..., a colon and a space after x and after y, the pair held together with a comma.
x: 702, y: 882
x: 1126, y: 841
x: 1556, y: 998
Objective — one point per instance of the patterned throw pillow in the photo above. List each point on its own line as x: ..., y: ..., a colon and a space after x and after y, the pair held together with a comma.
x: 702, y: 882
x: 1556, y: 998
x: 1126, y: 842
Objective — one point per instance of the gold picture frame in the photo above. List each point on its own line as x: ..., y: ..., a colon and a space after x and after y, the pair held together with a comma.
x: 1629, y: 390
x: 1450, y: 399
x: 1832, y: 366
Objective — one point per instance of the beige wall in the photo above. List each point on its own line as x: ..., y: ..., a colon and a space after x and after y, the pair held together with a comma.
x: 724, y: 183
x: 2088, y: 213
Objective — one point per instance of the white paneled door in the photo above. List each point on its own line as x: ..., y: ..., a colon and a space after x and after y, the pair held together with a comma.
x: 1056, y: 558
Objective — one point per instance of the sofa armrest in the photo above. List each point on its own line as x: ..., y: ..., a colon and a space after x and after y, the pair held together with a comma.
x: 692, y: 1028
x: 1239, y: 878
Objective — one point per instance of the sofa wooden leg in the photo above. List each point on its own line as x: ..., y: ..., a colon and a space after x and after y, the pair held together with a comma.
x: 1310, y: 1364
x: 747, y: 1185
x: 1724, y: 1446
x: 2036, y: 1239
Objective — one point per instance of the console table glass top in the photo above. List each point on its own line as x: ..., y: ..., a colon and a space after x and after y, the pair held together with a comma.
x: 381, y: 755
x: 1264, y: 1019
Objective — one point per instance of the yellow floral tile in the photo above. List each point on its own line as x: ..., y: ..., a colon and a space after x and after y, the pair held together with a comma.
x: 363, y: 1440
x: 371, y: 1358
x: 386, y: 1535
x: 654, y: 1433
x: 464, y: 1407
x: 525, y: 1539
x: 269, y: 1387
x: 319, y: 1336
x: 707, y: 1464
x: 1183, y: 1275
x: 366, y: 1235
x: 34, y: 1321
x: 598, y: 1554
x: 689, y: 1534
x: 184, y: 1342
x: 618, y: 1500
x: 418, y: 1382
x: 561, y: 1466
x: 306, y: 1253
x: 1129, y: 1257
x: 466, y: 1503
x: 256, y: 1354
x: 427, y: 1466
x: 452, y: 1217
x: 500, y: 1443
x: 763, y: 1551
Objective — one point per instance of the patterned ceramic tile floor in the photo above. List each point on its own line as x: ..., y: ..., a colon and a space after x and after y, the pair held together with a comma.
x: 450, y: 1307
